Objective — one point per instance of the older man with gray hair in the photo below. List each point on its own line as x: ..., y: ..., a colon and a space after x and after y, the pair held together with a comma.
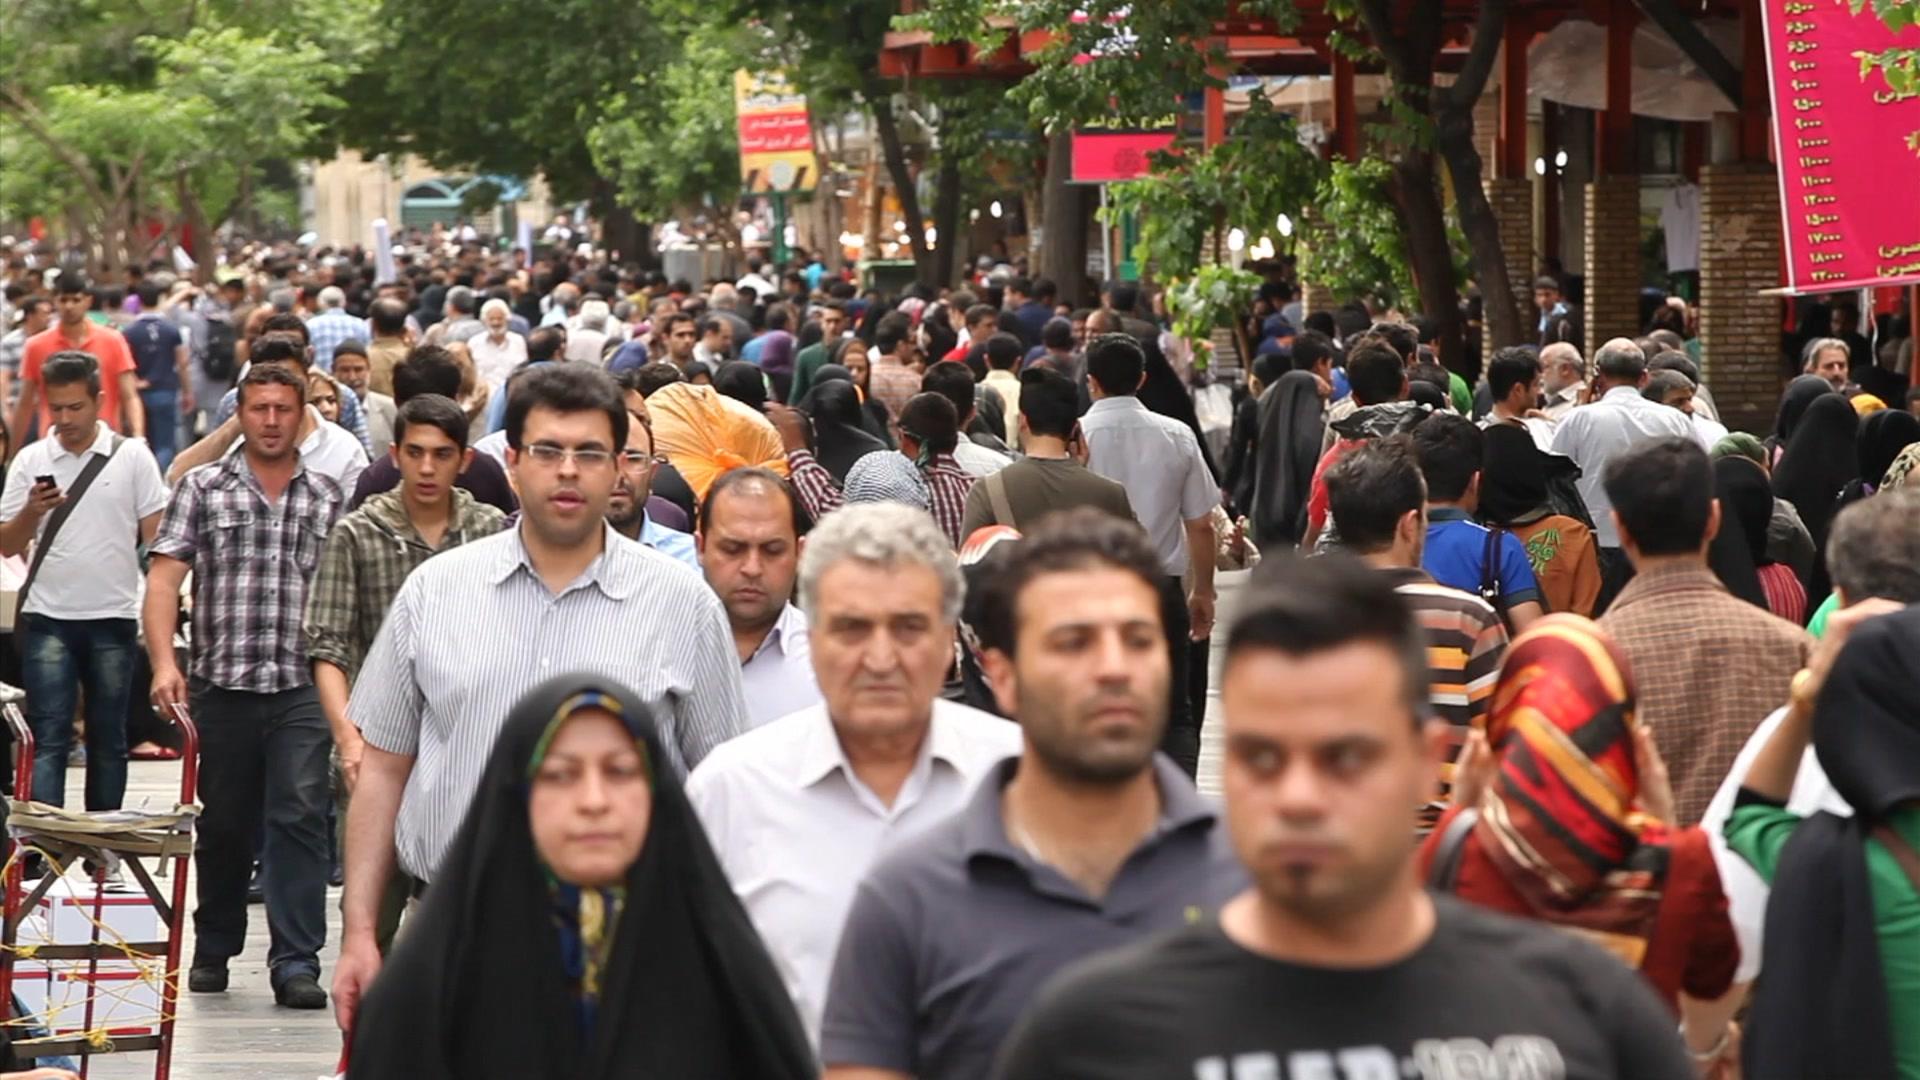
x: 1563, y: 375
x: 333, y: 327
x: 461, y: 320
x: 799, y: 808
x: 1830, y: 358
x: 1618, y: 420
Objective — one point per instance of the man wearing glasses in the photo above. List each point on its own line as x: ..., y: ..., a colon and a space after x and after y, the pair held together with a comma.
x: 627, y: 509
x: 473, y: 629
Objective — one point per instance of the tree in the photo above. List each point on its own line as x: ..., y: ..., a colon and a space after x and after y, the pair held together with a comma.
x: 1898, y: 66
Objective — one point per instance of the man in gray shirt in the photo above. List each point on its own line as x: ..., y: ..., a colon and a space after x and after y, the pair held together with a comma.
x: 1158, y: 460
x: 475, y: 628
x: 1049, y: 478
x: 1087, y: 841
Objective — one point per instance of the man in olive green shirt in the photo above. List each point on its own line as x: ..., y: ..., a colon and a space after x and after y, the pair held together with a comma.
x: 1050, y: 478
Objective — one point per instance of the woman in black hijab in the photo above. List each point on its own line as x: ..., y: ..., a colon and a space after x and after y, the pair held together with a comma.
x: 1517, y: 496
x: 1821, y: 458
x: 1882, y: 436
x: 1800, y: 393
x: 1824, y: 1005
x: 840, y: 437
x: 580, y: 925
x: 1291, y: 424
x: 1745, y: 508
x: 742, y: 381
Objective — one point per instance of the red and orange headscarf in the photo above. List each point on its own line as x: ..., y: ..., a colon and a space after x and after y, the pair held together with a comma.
x: 1560, y: 822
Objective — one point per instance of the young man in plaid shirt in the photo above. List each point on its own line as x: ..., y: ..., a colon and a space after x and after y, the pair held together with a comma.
x: 251, y: 527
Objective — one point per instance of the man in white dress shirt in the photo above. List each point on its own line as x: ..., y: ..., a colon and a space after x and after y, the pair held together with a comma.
x: 749, y: 544
x: 1592, y: 435
x: 798, y: 809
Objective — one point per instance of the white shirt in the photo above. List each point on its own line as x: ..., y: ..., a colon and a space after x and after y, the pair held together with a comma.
x: 763, y: 289
x: 1157, y: 459
x: 778, y: 677
x: 331, y: 451
x: 1541, y: 430
x: 1706, y: 430
x: 1746, y: 891
x: 1594, y: 434
x: 495, y: 361
x: 584, y: 346
x: 978, y: 460
x: 493, y: 445
x: 92, y: 571
x: 795, y: 830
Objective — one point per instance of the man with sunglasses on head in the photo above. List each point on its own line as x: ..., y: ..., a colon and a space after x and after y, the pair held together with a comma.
x: 473, y: 629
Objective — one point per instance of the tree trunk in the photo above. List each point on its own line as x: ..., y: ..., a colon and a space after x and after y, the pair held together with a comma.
x: 619, y: 230
x: 1484, y: 242
x: 198, y: 232
x: 1063, y: 246
x: 1429, y: 252
x: 946, y: 222
x: 895, y: 154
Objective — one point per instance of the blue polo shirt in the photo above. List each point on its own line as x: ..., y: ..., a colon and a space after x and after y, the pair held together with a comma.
x: 1457, y: 552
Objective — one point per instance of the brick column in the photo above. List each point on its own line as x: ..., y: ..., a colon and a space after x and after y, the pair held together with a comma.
x: 1740, y: 256
x: 1512, y: 199
x: 1613, y: 260
x: 1314, y: 295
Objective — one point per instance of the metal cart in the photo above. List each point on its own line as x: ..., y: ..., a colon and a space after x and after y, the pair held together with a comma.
x: 139, y: 841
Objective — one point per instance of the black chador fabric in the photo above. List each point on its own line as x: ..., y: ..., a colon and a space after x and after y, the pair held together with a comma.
x: 477, y: 986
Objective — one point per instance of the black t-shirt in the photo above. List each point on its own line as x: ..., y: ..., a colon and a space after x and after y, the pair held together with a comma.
x: 485, y: 480
x: 1487, y: 996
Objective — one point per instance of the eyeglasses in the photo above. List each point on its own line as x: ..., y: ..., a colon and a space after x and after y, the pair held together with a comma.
x: 548, y: 456
x: 640, y: 459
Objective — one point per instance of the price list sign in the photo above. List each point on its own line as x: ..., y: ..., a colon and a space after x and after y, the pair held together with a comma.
x: 1849, y: 182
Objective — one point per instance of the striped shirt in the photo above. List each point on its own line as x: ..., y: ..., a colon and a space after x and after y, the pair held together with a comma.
x: 1465, y: 643
x: 947, y: 487
x: 474, y: 628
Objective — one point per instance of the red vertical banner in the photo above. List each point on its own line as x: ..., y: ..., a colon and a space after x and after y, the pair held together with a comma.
x: 1849, y: 181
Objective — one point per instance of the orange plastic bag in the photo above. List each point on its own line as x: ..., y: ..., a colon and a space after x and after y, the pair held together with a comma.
x: 705, y: 433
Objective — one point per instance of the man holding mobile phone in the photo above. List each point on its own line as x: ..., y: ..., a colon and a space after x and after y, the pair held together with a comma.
x: 83, y: 498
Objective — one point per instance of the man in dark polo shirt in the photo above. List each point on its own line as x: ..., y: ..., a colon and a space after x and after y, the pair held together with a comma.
x: 429, y: 369
x: 1087, y: 841
x: 1049, y: 478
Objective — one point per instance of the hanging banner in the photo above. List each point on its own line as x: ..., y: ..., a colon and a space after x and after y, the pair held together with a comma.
x: 776, y: 135
x: 1849, y: 181
x: 1105, y: 156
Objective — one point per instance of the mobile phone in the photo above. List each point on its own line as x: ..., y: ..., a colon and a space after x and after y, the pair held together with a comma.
x: 44, y: 480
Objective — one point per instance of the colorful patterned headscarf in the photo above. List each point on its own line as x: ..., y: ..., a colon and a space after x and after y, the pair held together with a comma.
x: 1560, y: 821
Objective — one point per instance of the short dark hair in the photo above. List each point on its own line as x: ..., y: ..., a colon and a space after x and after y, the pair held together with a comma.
x: 566, y: 388
x: 1057, y: 334
x: 269, y: 375
x: 426, y: 369
x: 1116, y: 362
x: 1004, y: 351
x: 389, y: 317
x: 70, y: 366
x: 1663, y: 492
x: 1022, y: 285
x: 709, y: 323
x: 753, y: 474
x: 952, y: 380
x: 1309, y: 348
x: 148, y: 290
x: 1044, y: 289
x: 1401, y: 337
x: 1451, y: 449
x: 286, y: 322
x: 893, y: 328
x: 435, y: 411
x: 981, y: 313
x: 1125, y: 296
x: 650, y: 378
x: 1049, y: 400
x: 1375, y: 373
x: 71, y: 283
x: 930, y: 418
x: 1371, y: 488
x: 545, y: 343
x: 1675, y: 360
x: 349, y: 347
x: 1432, y: 374
x: 1078, y: 539
x: 276, y: 350
x: 1665, y: 382
x: 1512, y: 366
x: 1873, y: 550
x: 1302, y: 606
x: 1547, y: 282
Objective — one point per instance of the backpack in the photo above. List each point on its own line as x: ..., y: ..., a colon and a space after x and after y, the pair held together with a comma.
x: 218, y: 360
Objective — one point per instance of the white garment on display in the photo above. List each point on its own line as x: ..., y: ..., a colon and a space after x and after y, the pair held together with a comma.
x: 1680, y: 219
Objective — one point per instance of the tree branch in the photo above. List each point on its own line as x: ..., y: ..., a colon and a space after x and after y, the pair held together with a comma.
x: 35, y: 122
x: 1489, y: 27
x: 1699, y: 48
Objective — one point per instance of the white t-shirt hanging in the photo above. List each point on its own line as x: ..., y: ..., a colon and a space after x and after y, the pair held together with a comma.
x: 1680, y: 220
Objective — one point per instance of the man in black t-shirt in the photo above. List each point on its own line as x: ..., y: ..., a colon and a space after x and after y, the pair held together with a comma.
x: 1335, y: 964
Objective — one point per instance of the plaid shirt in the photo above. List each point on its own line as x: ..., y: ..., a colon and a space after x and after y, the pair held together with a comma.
x: 331, y: 329
x: 813, y: 483
x: 1707, y: 669
x: 947, y: 485
x: 251, y: 560
x: 893, y: 384
x: 368, y: 556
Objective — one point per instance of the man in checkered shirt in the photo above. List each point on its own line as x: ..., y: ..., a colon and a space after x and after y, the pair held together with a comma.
x: 251, y: 528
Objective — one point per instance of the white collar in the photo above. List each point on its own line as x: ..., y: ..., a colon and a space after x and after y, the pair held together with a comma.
x: 102, y: 442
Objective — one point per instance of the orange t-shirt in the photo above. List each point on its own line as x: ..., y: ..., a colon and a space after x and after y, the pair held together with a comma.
x: 106, y: 345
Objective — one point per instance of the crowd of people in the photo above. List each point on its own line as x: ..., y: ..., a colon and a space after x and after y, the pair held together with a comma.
x: 774, y: 678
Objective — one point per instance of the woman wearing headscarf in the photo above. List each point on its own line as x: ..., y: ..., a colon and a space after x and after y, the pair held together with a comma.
x: 1746, y: 513
x: 840, y: 437
x: 580, y: 925
x: 1569, y: 819
x: 1882, y: 436
x: 1243, y: 439
x: 742, y: 381
x: 776, y: 360
x: 1788, y: 541
x: 887, y: 477
x: 852, y: 355
x: 1514, y: 497
x: 1292, y: 420
x: 1839, y: 993
x: 1799, y: 394
x: 1822, y: 458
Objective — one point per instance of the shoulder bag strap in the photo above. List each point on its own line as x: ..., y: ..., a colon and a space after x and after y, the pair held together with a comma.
x: 1490, y: 571
x: 1445, y: 870
x: 997, y: 498
x: 94, y: 467
x: 1901, y: 851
